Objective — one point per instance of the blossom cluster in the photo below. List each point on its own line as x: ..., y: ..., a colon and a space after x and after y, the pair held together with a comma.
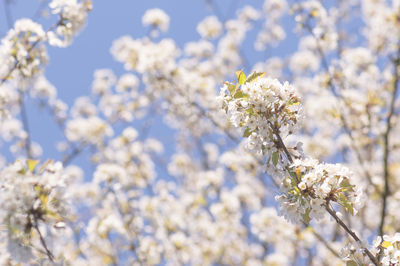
x: 210, y: 27
x: 23, y: 46
x: 206, y: 200
x: 31, y: 196
x: 283, y: 237
x: 272, y: 32
x: 156, y: 18
x: 270, y: 111
x: 21, y: 49
x: 73, y: 15
x: 389, y: 247
x: 311, y: 185
x: 265, y: 108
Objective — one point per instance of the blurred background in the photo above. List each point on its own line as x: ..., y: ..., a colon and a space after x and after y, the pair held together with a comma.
x: 71, y: 69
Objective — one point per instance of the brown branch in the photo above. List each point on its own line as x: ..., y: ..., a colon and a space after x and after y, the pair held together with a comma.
x: 338, y: 96
x: 351, y: 233
x: 229, y: 134
x: 25, y: 123
x: 281, y: 144
x: 323, y: 241
x: 43, y: 4
x: 43, y: 242
x: 326, y: 244
x: 205, y: 113
x: 75, y: 152
x: 386, y: 191
x: 8, y: 13
x: 333, y: 214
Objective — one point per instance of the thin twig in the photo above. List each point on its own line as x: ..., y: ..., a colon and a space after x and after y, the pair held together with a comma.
x: 75, y: 152
x: 332, y: 213
x: 205, y: 113
x: 24, y: 118
x: 17, y: 63
x: 223, y: 18
x: 147, y: 125
x: 39, y: 10
x: 43, y: 242
x: 8, y: 13
x: 214, y: 6
x: 386, y: 191
x: 326, y: 244
x: 351, y: 233
x: 281, y: 144
x: 338, y: 96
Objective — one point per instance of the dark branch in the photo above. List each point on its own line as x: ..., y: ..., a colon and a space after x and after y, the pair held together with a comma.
x: 386, y: 147
x: 24, y: 118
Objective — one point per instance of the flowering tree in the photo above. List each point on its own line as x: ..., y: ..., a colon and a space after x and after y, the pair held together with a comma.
x: 293, y: 160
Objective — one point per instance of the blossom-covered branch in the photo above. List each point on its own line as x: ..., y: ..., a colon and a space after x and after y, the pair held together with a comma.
x: 266, y: 109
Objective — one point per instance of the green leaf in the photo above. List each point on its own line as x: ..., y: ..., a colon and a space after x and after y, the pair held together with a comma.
x: 275, y: 157
x: 293, y: 175
x: 44, y: 166
x: 386, y: 244
x: 298, y: 173
x: 247, y: 132
x: 250, y: 111
x: 231, y: 87
x: 240, y: 94
x: 22, y: 171
x: 32, y: 164
x: 253, y: 76
x: 306, y: 216
x: 294, y: 101
x: 346, y: 186
x: 345, y: 203
x: 225, y: 107
x: 241, y: 77
x: 351, y: 263
x: 53, y: 215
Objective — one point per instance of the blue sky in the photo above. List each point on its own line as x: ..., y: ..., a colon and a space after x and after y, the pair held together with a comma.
x: 71, y: 69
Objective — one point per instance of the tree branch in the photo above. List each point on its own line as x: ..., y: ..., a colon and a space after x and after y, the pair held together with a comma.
x: 7, y: 12
x: 351, y: 233
x: 43, y: 242
x: 24, y: 118
x: 75, y: 152
x: 17, y: 63
x: 326, y: 244
x: 333, y: 213
x: 386, y: 151
x: 337, y: 95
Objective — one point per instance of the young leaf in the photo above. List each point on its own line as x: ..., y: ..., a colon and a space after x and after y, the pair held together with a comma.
x: 231, y: 87
x: 250, y: 111
x: 32, y: 164
x: 306, y: 216
x: 386, y: 244
x: 43, y: 166
x: 240, y: 94
x: 346, y: 186
x: 293, y: 101
x: 241, y: 77
x: 22, y: 171
x: 247, y: 132
x: 298, y: 173
x: 294, y: 178
x: 346, y: 203
x: 351, y: 263
x: 275, y: 157
x: 253, y: 76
